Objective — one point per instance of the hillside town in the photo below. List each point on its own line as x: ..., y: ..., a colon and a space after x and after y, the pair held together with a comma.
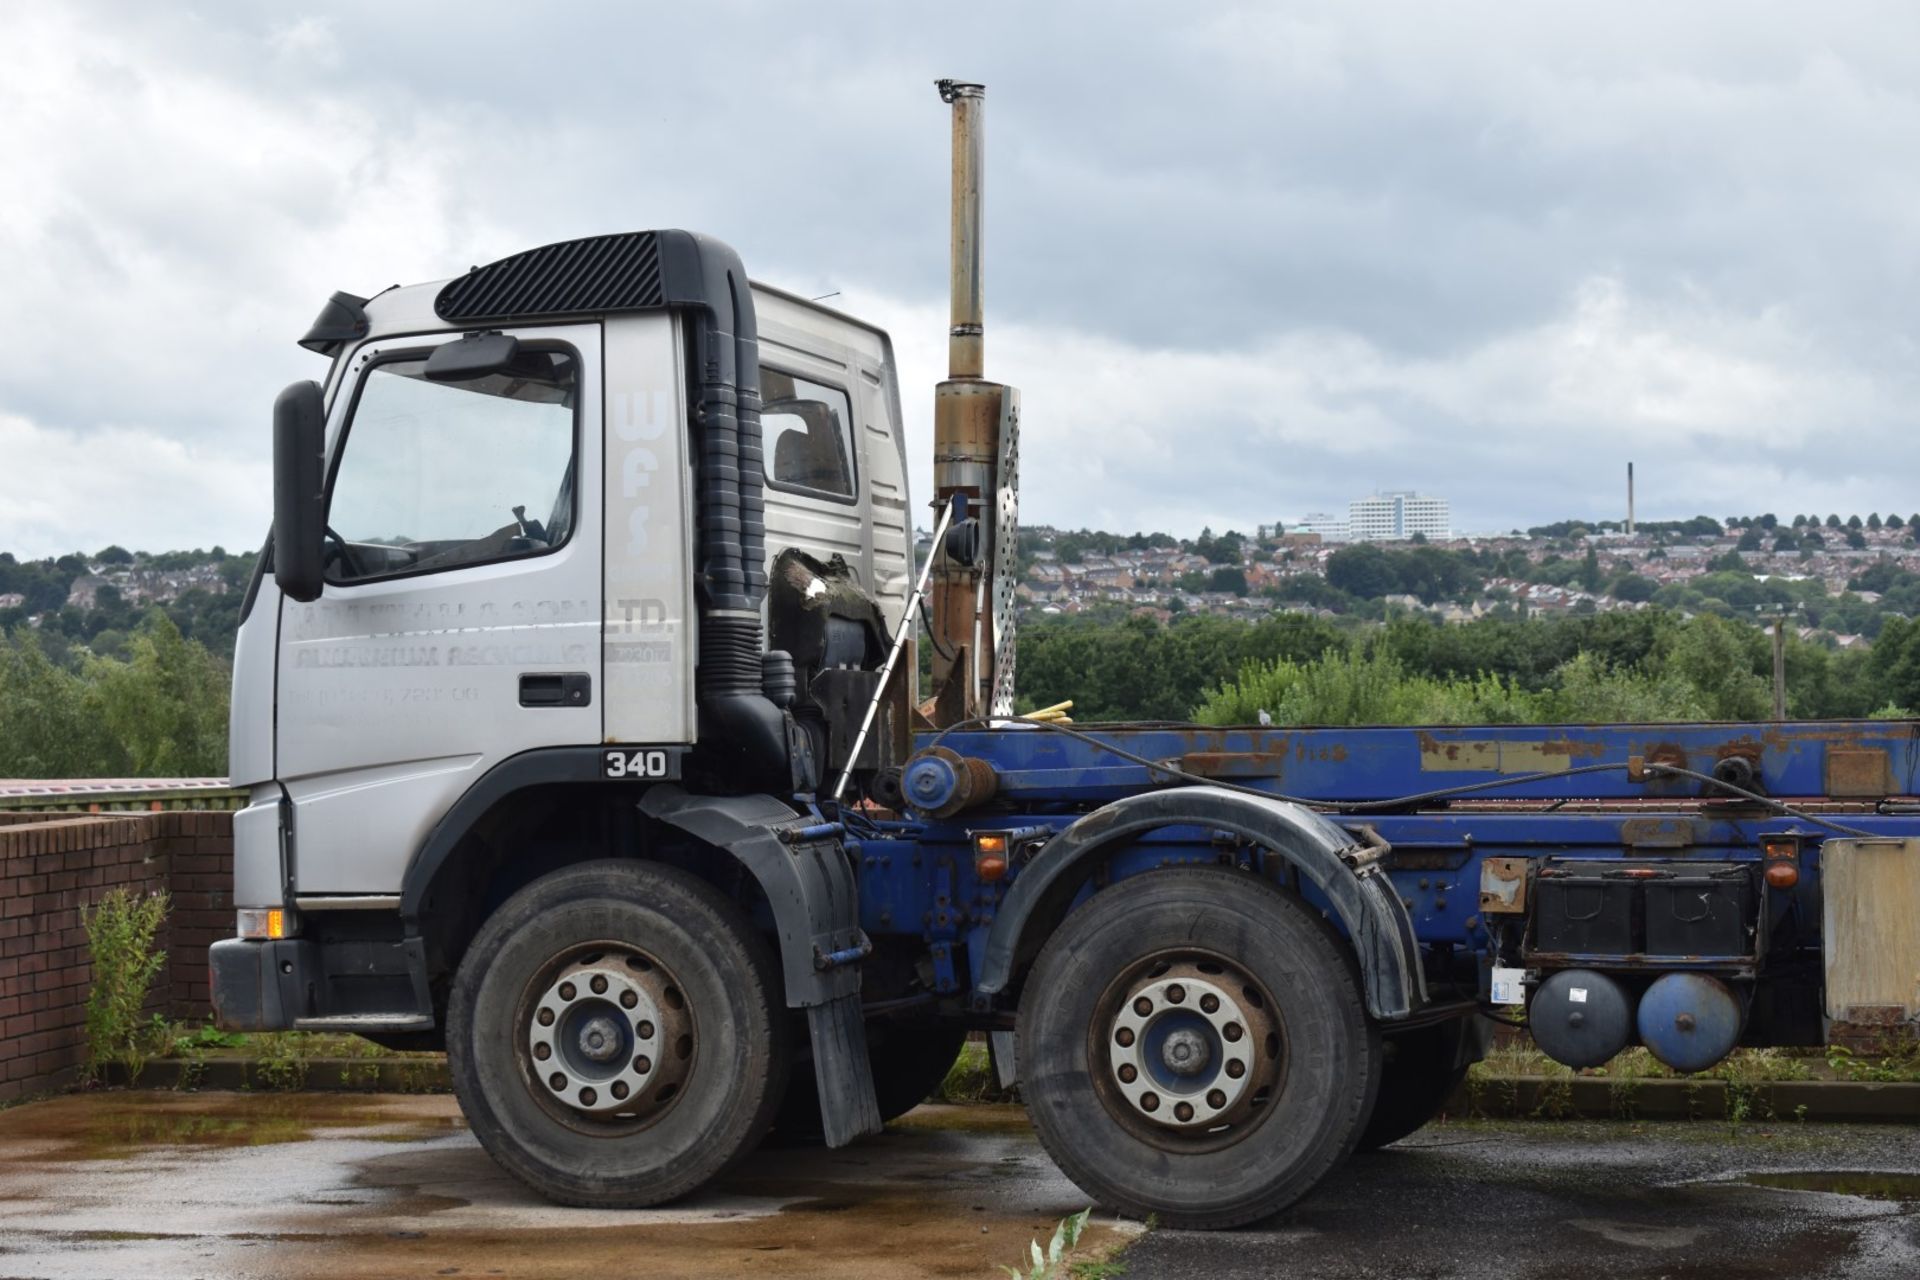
x: 1828, y: 576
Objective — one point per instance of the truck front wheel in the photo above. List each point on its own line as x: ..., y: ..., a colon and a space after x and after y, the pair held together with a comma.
x: 1193, y: 1043
x: 612, y: 1035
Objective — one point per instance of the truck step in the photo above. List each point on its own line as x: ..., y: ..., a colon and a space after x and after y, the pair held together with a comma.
x: 359, y: 1022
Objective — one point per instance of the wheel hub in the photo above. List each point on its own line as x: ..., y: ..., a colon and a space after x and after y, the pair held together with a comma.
x: 1185, y: 1052
x: 1184, y: 1047
x: 609, y: 1035
x: 600, y: 1039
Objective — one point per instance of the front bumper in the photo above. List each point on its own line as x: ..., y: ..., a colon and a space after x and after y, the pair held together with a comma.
x: 261, y: 985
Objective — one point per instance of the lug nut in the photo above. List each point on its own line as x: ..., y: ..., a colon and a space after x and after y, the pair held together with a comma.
x: 1124, y: 1036
x: 545, y: 1017
x: 1143, y: 1006
x: 1127, y: 1073
x: 1209, y: 1003
x: 628, y: 999
x: 1183, y: 1112
x: 543, y: 1051
x: 1236, y: 1068
x: 1233, y: 1031
x: 1177, y: 993
x: 643, y: 1029
x: 620, y: 1089
x: 567, y: 991
x: 1149, y: 1102
x: 558, y: 1082
x: 599, y: 984
x: 588, y: 1097
x: 643, y: 1064
x: 1216, y: 1099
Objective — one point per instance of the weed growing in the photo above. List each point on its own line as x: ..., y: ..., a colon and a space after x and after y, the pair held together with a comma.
x: 121, y: 930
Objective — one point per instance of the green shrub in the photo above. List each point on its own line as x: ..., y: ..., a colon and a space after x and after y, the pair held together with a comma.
x: 121, y: 929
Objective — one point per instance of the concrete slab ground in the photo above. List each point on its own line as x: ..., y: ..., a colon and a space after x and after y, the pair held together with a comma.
x: 164, y: 1185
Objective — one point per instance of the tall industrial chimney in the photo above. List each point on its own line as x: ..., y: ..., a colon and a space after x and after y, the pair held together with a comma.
x: 975, y: 450
x: 1629, y: 499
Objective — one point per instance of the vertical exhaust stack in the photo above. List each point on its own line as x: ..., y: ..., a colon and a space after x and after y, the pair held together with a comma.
x: 975, y: 456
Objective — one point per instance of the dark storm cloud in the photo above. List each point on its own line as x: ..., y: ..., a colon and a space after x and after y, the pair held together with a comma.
x: 1244, y: 261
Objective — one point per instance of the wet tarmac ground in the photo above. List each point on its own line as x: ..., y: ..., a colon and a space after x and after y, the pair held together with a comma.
x: 1532, y: 1200
x: 158, y: 1186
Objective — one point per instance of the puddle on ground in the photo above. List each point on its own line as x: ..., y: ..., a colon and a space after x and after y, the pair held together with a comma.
x: 1899, y: 1187
x: 115, y: 1126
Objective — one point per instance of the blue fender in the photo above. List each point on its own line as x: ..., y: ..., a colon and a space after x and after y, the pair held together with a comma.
x: 1329, y: 857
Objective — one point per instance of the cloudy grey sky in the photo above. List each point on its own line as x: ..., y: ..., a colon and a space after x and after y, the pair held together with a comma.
x: 1242, y: 262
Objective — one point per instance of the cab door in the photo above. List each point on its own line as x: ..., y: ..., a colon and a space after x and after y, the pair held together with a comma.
x: 460, y: 620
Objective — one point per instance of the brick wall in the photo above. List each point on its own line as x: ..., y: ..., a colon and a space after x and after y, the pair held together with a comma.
x: 52, y: 866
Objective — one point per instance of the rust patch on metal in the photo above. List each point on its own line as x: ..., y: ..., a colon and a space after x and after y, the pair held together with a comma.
x: 1498, y: 755
x: 1235, y: 764
x: 1503, y: 886
x: 1656, y: 833
x: 1667, y: 753
x: 1858, y: 772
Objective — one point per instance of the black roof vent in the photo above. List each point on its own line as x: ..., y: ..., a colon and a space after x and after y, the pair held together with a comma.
x: 342, y: 320
x: 596, y: 275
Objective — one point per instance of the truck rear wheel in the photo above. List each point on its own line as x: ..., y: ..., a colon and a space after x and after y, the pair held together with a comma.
x: 1416, y: 1079
x: 612, y: 1035
x: 1194, y: 1044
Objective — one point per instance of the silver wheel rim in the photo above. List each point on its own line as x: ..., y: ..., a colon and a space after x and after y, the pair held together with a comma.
x: 1190, y: 1051
x: 608, y: 1037
x: 1181, y: 1052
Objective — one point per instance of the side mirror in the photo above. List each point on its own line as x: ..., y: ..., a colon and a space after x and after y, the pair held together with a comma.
x: 478, y: 355
x: 299, y: 479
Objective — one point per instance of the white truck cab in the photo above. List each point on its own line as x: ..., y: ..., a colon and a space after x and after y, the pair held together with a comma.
x: 531, y: 495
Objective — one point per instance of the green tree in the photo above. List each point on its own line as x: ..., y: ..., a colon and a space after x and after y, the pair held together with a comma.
x: 1364, y: 571
x: 1590, y: 578
x: 166, y: 705
x: 1856, y: 539
x: 1230, y: 578
x: 1873, y: 521
x: 1632, y: 588
x: 50, y: 726
x: 1750, y: 540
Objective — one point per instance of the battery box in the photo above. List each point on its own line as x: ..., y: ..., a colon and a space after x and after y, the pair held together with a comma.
x: 1644, y: 909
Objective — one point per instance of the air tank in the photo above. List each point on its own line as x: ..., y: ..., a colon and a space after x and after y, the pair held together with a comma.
x: 1580, y: 1017
x: 1690, y: 1020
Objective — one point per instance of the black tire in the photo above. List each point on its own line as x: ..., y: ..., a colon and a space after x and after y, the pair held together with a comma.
x: 1416, y: 1079
x: 1317, y: 1066
x: 727, y: 1054
x: 909, y: 1062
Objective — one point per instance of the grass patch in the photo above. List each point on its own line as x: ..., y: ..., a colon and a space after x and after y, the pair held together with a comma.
x: 971, y: 1078
x: 1742, y: 1068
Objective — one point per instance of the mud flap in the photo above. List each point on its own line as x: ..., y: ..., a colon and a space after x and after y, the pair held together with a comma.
x: 809, y: 885
x: 848, y: 1108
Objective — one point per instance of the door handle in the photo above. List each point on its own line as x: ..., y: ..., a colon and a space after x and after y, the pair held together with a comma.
x: 556, y: 689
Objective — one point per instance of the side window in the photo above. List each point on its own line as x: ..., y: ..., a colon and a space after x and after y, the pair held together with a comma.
x: 805, y: 430
x: 437, y: 475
